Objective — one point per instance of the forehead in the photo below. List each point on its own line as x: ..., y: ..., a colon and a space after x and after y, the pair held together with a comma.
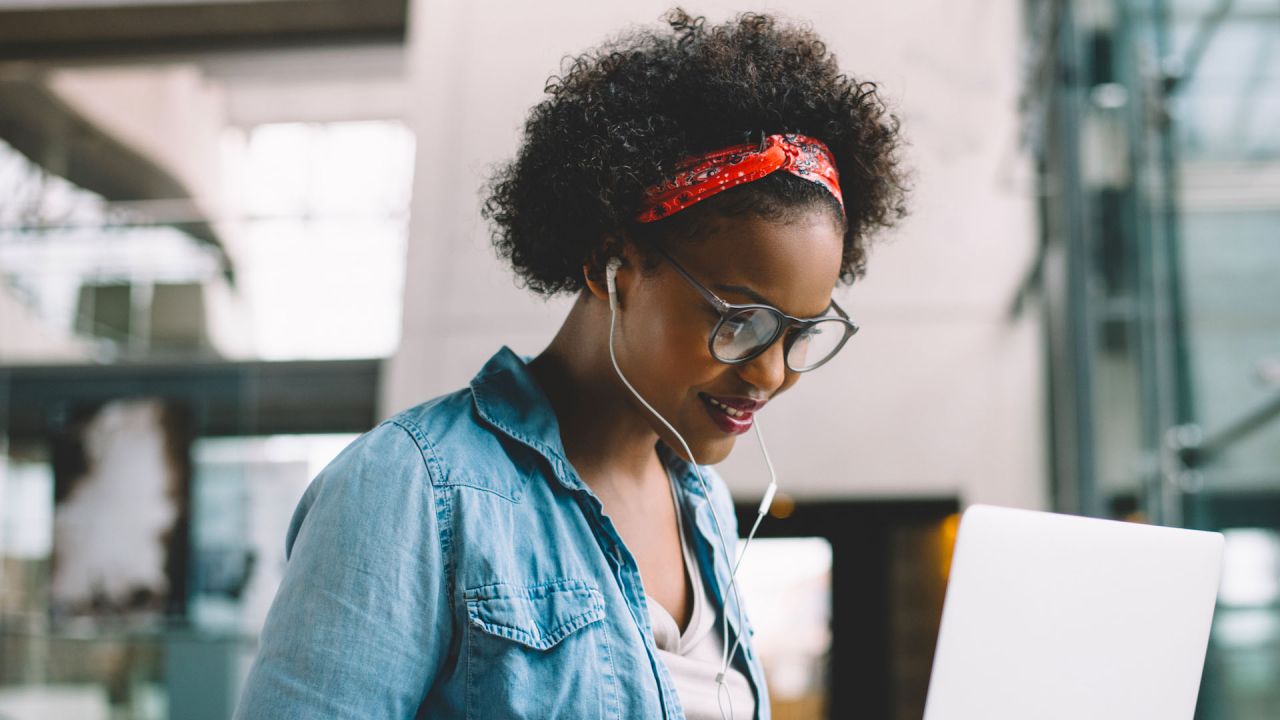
x: 794, y: 263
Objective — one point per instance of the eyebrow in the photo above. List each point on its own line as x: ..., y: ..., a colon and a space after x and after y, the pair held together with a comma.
x: 744, y: 290
x: 757, y: 297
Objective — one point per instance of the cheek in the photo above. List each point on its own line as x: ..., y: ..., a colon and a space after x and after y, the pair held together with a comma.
x: 681, y: 356
x: 671, y: 347
x: 663, y: 325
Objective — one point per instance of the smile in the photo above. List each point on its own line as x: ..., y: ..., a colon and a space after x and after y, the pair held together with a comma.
x: 732, y: 411
x: 735, y: 420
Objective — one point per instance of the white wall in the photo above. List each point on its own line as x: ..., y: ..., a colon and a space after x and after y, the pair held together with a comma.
x: 173, y: 114
x: 939, y: 395
x: 25, y: 338
x: 167, y: 113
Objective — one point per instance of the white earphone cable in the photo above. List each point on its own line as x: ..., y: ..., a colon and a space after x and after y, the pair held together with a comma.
x: 727, y: 652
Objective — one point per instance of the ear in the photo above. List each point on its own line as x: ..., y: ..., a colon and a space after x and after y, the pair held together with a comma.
x: 595, y: 283
x: 595, y: 280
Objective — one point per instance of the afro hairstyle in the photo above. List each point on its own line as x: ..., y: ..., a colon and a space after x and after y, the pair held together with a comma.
x: 620, y: 117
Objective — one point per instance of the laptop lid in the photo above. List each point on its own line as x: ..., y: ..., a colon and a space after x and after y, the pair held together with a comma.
x: 1059, y: 617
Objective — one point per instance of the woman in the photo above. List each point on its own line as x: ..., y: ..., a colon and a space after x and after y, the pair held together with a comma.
x: 540, y: 544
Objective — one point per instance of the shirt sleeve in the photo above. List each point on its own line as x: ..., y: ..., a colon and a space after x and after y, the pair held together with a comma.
x: 360, y: 624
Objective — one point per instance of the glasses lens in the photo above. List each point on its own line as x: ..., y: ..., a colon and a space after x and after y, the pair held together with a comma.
x: 816, y: 344
x: 743, y: 333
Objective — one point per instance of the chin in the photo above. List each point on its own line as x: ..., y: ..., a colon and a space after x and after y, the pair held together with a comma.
x: 707, y: 452
x: 717, y: 451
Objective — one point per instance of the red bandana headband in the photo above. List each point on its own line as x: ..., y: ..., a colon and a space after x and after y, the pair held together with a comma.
x: 699, y: 178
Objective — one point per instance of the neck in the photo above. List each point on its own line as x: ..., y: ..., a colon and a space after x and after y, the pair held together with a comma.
x: 606, y: 437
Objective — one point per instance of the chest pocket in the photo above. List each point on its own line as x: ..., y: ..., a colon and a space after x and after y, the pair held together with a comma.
x: 538, y: 651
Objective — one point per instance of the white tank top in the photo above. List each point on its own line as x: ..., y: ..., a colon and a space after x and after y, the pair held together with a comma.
x: 693, y: 657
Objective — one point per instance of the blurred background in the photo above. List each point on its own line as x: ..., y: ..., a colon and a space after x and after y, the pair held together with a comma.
x: 234, y: 234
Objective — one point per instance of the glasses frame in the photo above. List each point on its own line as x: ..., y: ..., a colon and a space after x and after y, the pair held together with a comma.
x: 727, y: 309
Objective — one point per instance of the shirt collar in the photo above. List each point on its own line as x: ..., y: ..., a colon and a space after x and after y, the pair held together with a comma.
x: 680, y: 469
x: 509, y: 398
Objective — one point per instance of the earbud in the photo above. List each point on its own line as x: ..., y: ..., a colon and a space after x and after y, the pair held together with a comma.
x: 611, y: 280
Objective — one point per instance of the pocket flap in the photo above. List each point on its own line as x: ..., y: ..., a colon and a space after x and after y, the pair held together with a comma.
x: 538, y: 616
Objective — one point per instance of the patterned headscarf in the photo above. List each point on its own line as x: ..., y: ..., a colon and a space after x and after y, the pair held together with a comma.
x: 699, y: 178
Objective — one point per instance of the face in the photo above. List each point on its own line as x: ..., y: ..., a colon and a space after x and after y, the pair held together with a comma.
x: 664, y: 324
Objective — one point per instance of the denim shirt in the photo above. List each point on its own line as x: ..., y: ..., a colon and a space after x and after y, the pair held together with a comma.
x: 450, y: 563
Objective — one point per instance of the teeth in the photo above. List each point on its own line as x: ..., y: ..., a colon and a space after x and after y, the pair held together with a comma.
x: 732, y: 412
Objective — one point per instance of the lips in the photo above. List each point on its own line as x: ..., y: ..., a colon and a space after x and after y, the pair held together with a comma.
x: 731, y: 414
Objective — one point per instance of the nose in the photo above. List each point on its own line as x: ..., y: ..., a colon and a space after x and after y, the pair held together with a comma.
x: 768, y: 370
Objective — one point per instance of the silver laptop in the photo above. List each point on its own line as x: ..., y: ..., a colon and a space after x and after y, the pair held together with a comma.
x: 1055, y: 617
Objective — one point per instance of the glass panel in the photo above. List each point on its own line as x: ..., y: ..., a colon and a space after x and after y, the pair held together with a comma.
x: 203, y: 240
x: 1230, y: 260
x: 1224, y: 111
x: 1244, y: 651
x: 245, y: 492
x: 324, y: 247
x: 786, y: 584
x: 243, y: 495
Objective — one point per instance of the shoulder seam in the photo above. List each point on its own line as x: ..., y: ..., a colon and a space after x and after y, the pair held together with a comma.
x: 437, y: 471
x: 443, y: 502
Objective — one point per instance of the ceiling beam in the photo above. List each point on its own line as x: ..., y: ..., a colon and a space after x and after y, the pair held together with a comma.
x: 227, y: 398
x: 135, y: 30
x: 40, y: 125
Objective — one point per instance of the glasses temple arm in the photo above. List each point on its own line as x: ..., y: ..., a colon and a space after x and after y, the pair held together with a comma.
x: 709, y: 296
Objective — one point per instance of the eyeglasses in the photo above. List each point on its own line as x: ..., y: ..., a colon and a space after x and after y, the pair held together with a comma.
x: 744, y: 332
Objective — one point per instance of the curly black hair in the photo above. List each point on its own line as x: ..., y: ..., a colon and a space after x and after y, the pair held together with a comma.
x: 620, y: 117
